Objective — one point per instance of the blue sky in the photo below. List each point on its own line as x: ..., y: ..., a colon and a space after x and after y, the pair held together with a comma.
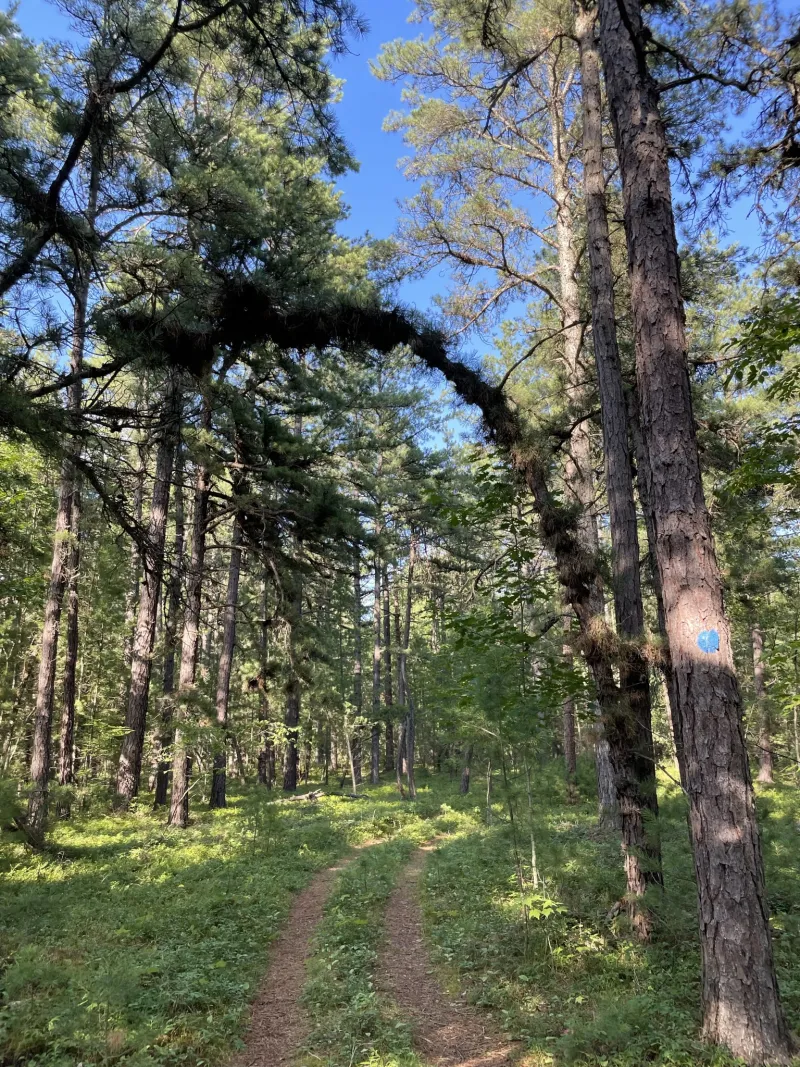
x: 374, y: 191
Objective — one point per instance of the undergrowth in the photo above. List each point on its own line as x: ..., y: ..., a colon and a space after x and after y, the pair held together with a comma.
x: 129, y: 944
x: 556, y: 967
x: 352, y: 1025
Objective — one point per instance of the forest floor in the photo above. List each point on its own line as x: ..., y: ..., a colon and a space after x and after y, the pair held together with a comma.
x: 445, y: 1031
x: 128, y: 945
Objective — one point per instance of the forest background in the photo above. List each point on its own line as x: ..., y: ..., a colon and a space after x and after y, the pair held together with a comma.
x: 286, y: 554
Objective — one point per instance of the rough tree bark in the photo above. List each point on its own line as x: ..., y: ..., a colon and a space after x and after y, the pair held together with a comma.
x: 629, y: 734
x: 171, y: 635
x: 741, y: 1003
x: 218, y: 785
x: 643, y: 482
x: 465, y: 771
x: 129, y: 769
x: 190, y: 639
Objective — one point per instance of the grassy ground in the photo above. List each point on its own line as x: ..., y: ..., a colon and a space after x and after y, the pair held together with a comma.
x: 351, y: 1024
x: 132, y: 946
x: 126, y: 943
x: 569, y: 981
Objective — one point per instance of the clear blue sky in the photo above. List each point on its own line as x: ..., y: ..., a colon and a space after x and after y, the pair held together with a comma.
x: 373, y: 192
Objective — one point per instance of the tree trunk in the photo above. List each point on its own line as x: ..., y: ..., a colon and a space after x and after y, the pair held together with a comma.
x: 132, y: 592
x: 389, y: 757
x: 66, y: 748
x: 130, y: 761
x: 190, y: 640
x: 608, y: 809
x: 375, y: 739
x: 765, y: 754
x: 630, y: 734
x: 292, y: 713
x: 63, y: 569
x: 358, y: 696
x: 171, y: 636
x: 741, y: 1004
x: 218, y: 784
x: 568, y: 717
x: 401, y: 757
x: 43, y: 716
x: 403, y: 688
x: 629, y: 730
x: 643, y: 483
x: 465, y: 772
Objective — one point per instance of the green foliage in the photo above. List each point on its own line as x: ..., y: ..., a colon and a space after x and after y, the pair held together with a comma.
x: 572, y: 984
x: 351, y: 1023
x: 125, y: 943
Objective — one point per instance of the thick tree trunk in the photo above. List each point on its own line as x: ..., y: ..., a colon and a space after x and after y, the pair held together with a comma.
x: 171, y: 636
x: 190, y: 640
x: 630, y: 735
x: 218, y: 784
x: 607, y: 807
x: 375, y: 737
x: 130, y: 761
x: 766, y: 758
x: 465, y: 771
x: 643, y: 482
x: 741, y: 1004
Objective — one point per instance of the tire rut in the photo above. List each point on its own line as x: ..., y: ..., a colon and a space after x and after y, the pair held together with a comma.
x: 445, y: 1033
x: 278, y: 1021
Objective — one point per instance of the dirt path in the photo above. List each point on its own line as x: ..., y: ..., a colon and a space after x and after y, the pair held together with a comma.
x: 278, y: 1022
x: 445, y: 1032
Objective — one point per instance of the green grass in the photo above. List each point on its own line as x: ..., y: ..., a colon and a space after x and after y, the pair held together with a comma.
x: 129, y: 944
x: 351, y: 1024
x: 571, y: 983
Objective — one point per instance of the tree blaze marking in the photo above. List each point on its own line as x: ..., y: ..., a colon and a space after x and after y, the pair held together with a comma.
x: 708, y: 641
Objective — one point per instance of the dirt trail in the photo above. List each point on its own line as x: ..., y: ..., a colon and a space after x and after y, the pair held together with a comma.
x: 278, y: 1022
x: 445, y: 1033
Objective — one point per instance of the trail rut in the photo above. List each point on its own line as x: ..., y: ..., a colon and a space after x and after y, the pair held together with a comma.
x: 445, y: 1033
x: 278, y: 1022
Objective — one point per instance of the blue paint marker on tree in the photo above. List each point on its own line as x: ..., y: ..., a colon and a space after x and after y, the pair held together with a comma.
x: 708, y: 641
